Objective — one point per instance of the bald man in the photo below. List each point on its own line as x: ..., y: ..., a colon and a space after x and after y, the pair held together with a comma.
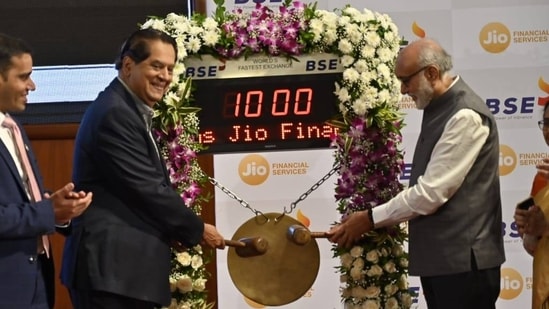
x: 453, y: 201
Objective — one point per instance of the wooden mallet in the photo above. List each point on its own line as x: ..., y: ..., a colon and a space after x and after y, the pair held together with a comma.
x: 249, y: 246
x: 300, y: 235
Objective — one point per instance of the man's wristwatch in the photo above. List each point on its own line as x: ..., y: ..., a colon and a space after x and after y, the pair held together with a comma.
x: 370, y: 218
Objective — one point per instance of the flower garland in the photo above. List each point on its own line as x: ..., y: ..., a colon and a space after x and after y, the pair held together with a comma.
x: 374, y: 272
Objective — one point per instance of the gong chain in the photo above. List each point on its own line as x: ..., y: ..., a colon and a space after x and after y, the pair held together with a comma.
x: 232, y: 195
x: 303, y: 196
x: 293, y: 205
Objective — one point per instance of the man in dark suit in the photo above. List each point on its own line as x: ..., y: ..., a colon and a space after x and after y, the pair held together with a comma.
x: 119, y: 253
x: 26, y: 265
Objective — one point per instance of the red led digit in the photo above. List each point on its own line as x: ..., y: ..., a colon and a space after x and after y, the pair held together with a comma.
x: 303, y: 97
x: 281, y: 98
x: 254, y: 98
x: 231, y: 105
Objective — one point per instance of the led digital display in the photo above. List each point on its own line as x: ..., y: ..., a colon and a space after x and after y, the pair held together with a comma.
x: 265, y: 103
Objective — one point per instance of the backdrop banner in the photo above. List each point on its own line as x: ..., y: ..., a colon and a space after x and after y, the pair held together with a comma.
x: 501, y: 48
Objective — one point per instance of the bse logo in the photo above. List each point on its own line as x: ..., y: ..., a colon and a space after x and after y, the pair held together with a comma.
x: 253, y: 169
x: 507, y: 160
x: 518, y: 105
x: 495, y: 37
x: 511, y: 283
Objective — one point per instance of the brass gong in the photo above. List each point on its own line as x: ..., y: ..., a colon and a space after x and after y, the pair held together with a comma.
x: 284, y: 273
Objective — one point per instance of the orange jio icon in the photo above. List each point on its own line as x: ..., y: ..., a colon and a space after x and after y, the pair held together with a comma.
x: 253, y: 169
x: 494, y: 37
x: 512, y: 283
x: 507, y: 160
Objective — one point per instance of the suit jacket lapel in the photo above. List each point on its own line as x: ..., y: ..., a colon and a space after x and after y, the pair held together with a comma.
x: 7, y: 158
x: 128, y: 99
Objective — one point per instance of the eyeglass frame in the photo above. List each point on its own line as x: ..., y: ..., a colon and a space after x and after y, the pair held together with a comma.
x: 543, y: 124
x: 406, y: 79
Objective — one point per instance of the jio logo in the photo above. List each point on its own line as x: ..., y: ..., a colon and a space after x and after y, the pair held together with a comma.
x: 511, y: 283
x: 494, y: 37
x: 253, y: 169
x: 507, y: 160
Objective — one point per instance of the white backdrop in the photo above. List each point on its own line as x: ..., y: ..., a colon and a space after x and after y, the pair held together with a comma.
x: 501, y: 49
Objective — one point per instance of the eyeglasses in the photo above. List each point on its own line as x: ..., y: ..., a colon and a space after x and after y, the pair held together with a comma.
x: 543, y: 124
x: 406, y: 79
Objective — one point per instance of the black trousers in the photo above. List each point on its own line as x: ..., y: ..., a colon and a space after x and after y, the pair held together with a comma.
x: 477, y: 289
x: 84, y: 299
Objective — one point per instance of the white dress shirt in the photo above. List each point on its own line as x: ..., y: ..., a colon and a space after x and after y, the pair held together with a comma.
x: 7, y: 139
x: 451, y: 159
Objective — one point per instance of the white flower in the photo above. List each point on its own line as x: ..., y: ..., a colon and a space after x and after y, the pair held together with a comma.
x: 211, y: 38
x: 351, y: 75
x: 347, y: 60
x: 157, y: 24
x: 342, y: 93
x: 193, y: 44
x: 196, y: 261
x: 199, y: 284
x: 184, y: 284
x: 346, y: 292
x: 346, y: 260
x: 357, y: 251
x: 184, y: 258
x: 398, y: 250
x: 197, y: 248
x: 343, y: 21
x: 391, y: 303
x: 403, y: 282
x: 390, y: 289
x: 357, y: 273
x: 173, y: 284
x: 367, y: 51
x: 372, y: 256
x: 371, y: 304
x: 359, y: 292
x: 360, y: 107
x: 354, y: 34
x: 372, y: 291
x: 345, y: 46
x: 390, y: 267
x: 185, y: 305
x: 384, y: 251
x: 373, y: 39
x: 361, y: 66
x: 406, y: 299
x: 403, y: 262
x: 359, y: 263
x: 374, y: 271
x: 210, y: 24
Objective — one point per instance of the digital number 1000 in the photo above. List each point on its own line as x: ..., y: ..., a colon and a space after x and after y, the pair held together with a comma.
x: 284, y: 102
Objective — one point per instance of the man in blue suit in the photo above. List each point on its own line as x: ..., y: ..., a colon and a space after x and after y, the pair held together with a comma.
x: 118, y: 255
x: 26, y: 270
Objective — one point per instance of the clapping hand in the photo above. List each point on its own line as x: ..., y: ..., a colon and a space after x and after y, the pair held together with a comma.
x: 68, y: 204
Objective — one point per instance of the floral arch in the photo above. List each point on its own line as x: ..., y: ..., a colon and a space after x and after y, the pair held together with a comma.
x: 374, y: 272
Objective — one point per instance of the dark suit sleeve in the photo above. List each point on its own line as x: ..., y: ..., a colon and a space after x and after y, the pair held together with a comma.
x: 18, y: 217
x: 23, y: 219
x: 125, y: 152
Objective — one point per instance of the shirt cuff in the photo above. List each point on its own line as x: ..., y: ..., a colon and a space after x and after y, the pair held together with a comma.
x: 63, y: 226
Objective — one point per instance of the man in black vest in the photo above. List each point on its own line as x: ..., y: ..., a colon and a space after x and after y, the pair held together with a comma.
x: 453, y: 201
